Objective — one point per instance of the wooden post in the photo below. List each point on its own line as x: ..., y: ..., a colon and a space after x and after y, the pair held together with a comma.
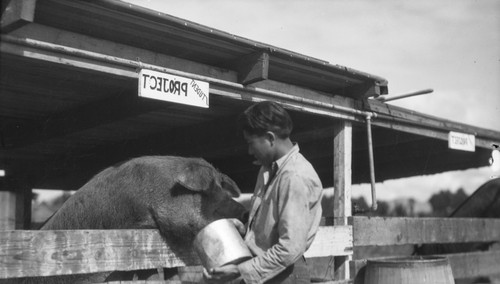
x: 342, y: 161
x: 23, y: 207
x: 7, y: 210
x: 15, y: 202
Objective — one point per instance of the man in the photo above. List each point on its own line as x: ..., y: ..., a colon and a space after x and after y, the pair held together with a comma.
x: 286, y: 205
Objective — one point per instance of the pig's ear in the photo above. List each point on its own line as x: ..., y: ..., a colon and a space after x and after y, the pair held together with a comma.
x: 196, y: 178
x: 229, y: 185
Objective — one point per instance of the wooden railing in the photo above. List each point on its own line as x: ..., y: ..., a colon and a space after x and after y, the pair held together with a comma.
x: 403, y: 231
x: 45, y: 253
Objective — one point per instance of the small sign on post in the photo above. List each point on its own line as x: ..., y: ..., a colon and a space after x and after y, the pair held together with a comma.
x: 461, y: 141
x: 171, y: 88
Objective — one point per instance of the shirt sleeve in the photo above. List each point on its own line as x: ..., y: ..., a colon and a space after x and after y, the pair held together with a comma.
x: 293, y: 227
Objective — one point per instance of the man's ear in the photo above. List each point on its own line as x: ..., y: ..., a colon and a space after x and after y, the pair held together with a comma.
x: 271, y: 137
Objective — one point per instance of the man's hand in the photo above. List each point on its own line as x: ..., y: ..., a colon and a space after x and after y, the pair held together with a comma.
x: 239, y: 226
x: 221, y: 274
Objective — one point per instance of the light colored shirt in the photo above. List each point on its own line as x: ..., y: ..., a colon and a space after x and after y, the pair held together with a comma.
x: 284, y: 216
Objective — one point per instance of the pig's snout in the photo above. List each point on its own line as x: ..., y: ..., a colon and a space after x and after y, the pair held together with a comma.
x: 231, y: 209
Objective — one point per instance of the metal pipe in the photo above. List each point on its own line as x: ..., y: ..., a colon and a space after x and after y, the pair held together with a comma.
x: 372, y: 167
x: 416, y: 93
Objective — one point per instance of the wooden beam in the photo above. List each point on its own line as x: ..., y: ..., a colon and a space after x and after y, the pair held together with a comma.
x: 319, y: 96
x: 363, y: 91
x: 106, y: 47
x: 15, y: 201
x: 398, y: 118
x: 44, y: 253
x: 72, y: 58
x: 62, y: 252
x: 342, y: 158
x: 306, y: 74
x: 7, y: 210
x: 253, y: 68
x: 342, y: 164
x: 378, y: 231
x: 23, y: 207
x: 16, y: 14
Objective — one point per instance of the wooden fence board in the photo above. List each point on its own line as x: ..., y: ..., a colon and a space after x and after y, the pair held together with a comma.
x: 44, y: 253
x: 331, y: 241
x: 378, y: 231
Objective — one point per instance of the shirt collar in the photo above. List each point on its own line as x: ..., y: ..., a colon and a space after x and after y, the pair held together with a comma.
x: 276, y: 165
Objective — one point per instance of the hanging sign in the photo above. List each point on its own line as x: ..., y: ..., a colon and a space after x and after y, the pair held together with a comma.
x: 461, y: 141
x: 171, y: 88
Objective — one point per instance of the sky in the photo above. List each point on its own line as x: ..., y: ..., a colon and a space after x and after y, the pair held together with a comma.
x: 451, y: 46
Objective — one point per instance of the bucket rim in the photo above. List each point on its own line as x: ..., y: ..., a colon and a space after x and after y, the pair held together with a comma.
x: 410, y: 261
x: 219, y: 243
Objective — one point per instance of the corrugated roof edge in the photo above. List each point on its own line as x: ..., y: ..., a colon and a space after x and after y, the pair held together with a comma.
x: 146, y: 13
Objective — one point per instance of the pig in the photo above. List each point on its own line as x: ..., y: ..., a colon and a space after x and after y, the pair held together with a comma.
x: 176, y: 195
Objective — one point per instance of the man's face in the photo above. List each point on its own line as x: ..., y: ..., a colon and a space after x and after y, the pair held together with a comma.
x: 259, y: 147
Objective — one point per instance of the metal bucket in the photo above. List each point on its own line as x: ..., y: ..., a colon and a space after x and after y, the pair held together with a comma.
x: 219, y: 243
x: 409, y: 270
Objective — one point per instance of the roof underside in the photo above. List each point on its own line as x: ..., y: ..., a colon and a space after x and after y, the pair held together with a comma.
x: 69, y: 104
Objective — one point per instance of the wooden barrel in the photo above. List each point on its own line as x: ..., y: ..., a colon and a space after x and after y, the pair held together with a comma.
x: 409, y: 270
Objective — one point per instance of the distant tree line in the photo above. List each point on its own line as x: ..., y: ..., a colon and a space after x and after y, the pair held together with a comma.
x: 443, y: 204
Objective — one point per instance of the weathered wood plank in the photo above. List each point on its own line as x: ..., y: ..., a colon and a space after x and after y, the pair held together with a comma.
x: 342, y: 175
x: 23, y: 204
x: 16, y: 14
x: 69, y: 60
x: 7, y: 210
x: 379, y: 231
x: 342, y: 181
x: 44, y: 253
x: 331, y: 241
x: 253, y: 68
x: 83, y: 42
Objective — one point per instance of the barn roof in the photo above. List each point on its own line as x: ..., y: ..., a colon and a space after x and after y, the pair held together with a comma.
x: 69, y: 104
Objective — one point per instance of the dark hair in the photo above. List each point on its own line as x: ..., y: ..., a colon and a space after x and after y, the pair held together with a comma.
x: 266, y: 116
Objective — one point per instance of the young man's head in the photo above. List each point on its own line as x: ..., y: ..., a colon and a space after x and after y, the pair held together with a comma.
x: 266, y: 127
